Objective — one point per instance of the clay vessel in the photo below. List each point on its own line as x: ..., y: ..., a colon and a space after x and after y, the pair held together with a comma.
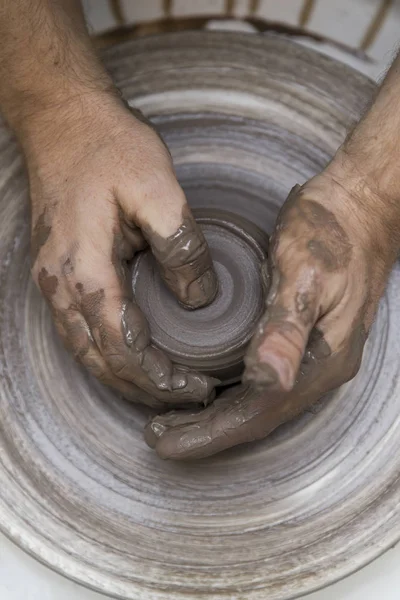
x: 213, y: 339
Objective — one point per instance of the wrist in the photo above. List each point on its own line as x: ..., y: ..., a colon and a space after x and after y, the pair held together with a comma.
x: 62, y: 116
x: 367, y: 201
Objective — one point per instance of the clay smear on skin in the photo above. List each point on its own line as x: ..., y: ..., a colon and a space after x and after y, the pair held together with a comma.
x: 248, y: 413
x: 185, y: 262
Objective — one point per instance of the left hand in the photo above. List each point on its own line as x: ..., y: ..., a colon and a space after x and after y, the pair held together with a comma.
x: 330, y: 257
x: 102, y: 186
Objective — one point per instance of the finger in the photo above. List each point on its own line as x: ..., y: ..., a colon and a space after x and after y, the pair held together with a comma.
x: 179, y: 246
x: 241, y: 415
x: 233, y: 419
x: 292, y: 309
x: 96, y: 366
x: 75, y: 334
x: 185, y: 262
x: 122, y: 336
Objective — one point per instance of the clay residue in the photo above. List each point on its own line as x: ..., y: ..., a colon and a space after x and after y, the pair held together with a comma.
x: 217, y: 350
x: 304, y: 306
x: 40, y: 235
x: 289, y: 365
x: 246, y: 413
x: 308, y: 243
x: 121, y: 253
x: 74, y: 332
x: 134, y: 327
x: 48, y: 283
x: 275, y: 322
x: 328, y: 242
x: 67, y: 267
x: 125, y: 349
x: 185, y: 262
x: 138, y: 114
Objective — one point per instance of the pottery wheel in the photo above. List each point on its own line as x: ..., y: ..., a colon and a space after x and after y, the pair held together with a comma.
x: 246, y: 117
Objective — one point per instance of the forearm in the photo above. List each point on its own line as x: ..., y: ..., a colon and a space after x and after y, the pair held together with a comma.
x: 46, y: 60
x: 368, y: 163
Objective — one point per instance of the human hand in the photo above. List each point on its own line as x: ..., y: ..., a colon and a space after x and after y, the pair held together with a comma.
x: 329, y: 260
x: 102, y: 187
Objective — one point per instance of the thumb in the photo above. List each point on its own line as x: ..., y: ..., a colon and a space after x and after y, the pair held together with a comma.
x: 278, y: 346
x: 180, y: 249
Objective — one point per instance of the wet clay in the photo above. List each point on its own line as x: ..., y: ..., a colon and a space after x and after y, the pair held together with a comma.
x: 185, y: 262
x: 79, y: 489
x: 47, y: 283
x: 130, y: 356
x: 214, y: 338
x: 246, y: 413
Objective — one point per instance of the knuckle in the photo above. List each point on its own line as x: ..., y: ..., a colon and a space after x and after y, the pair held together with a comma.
x: 117, y: 363
x: 157, y: 183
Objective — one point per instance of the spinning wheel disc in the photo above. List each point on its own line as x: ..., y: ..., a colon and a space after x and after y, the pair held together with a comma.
x: 245, y: 117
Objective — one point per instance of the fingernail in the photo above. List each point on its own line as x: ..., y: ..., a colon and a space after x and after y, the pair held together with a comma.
x: 153, y: 432
x: 203, y: 290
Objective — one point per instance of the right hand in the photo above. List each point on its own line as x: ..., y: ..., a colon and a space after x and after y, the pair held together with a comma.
x: 329, y: 261
x: 102, y: 188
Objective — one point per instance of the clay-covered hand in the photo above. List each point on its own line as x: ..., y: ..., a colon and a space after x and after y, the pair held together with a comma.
x: 328, y: 265
x: 102, y: 187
